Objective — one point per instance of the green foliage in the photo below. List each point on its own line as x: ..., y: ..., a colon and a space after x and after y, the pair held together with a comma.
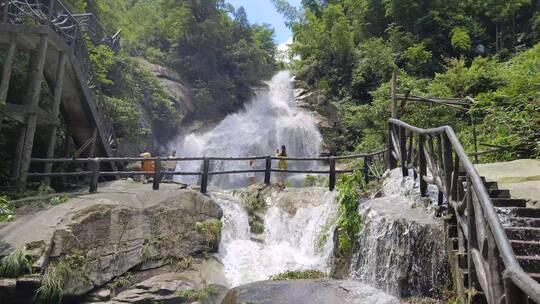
x: 7, y: 211
x: 256, y: 227
x: 149, y: 253
x: 58, y: 200
x: 417, y: 58
x: 210, y: 230
x: 68, y: 269
x: 298, y: 275
x: 190, y: 295
x: 15, y: 264
x: 350, y: 188
x: 121, y: 281
x: 102, y: 58
x: 184, y: 264
x: 461, y: 41
x: 315, y: 181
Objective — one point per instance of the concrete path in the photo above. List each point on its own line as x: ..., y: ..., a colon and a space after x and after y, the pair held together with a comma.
x: 521, y: 177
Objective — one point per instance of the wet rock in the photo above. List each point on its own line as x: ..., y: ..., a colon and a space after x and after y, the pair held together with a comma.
x: 203, y: 281
x: 307, y: 292
x: 401, y: 245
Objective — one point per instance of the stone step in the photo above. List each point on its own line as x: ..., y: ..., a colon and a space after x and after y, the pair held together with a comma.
x: 498, y: 193
x: 491, y: 186
x: 523, y: 233
x: 524, y: 212
x: 509, y: 202
x: 529, y: 263
x: 524, y: 222
x: 525, y: 247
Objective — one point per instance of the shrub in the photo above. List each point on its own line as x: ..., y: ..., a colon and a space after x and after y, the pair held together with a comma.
x: 6, y: 209
x: 17, y: 263
x: 298, y: 275
x: 210, y: 230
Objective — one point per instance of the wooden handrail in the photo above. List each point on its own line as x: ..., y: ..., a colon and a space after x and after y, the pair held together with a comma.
x: 445, y: 168
x: 95, y: 173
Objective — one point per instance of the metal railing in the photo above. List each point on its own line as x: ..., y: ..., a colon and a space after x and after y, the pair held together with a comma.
x: 74, y: 30
x: 93, y: 165
x: 437, y: 157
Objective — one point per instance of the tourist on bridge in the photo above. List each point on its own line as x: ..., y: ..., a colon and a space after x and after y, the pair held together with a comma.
x: 170, y: 166
x: 148, y: 167
x: 282, y: 164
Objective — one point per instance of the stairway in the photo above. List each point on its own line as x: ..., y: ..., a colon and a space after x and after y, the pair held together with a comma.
x: 522, y: 226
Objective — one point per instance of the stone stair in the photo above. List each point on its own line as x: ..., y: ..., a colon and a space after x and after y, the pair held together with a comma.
x: 522, y: 226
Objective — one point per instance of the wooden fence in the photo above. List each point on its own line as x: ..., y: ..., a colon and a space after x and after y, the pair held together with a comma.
x: 94, y: 173
x: 437, y: 157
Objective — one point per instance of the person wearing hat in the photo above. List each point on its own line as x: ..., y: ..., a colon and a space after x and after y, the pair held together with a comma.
x: 147, y: 166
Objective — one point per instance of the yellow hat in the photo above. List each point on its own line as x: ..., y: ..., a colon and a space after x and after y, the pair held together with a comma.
x: 146, y: 154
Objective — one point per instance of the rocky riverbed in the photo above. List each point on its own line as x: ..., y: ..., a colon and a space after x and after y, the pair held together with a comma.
x: 130, y: 244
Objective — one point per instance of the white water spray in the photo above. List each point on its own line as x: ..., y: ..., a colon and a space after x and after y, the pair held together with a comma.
x: 299, y: 225
x: 270, y: 120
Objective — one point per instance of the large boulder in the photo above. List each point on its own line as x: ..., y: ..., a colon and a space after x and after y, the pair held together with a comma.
x: 307, y: 292
x: 402, y: 243
x: 109, y: 233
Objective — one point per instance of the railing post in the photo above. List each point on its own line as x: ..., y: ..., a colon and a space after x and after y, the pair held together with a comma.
x: 367, y: 160
x: 332, y: 177
x: 390, y: 144
x: 448, y: 164
x: 157, y: 174
x: 204, y: 177
x: 94, y: 179
x: 5, y: 13
x: 422, y: 165
x: 51, y: 10
x: 403, y: 150
x: 268, y: 170
x: 512, y: 294
x: 472, y: 237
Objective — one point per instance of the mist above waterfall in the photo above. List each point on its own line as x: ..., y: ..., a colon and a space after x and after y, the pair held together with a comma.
x: 267, y: 122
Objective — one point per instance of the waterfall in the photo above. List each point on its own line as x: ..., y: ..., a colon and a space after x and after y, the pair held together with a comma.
x: 268, y: 121
x: 295, y: 220
x: 401, y: 245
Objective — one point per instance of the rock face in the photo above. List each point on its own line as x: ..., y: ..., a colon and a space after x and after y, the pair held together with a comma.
x: 401, y: 244
x: 307, y: 292
x: 115, y: 230
x: 172, y: 82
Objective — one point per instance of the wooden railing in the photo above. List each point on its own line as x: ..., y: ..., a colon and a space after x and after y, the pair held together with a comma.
x: 74, y: 30
x: 94, y: 173
x: 437, y: 157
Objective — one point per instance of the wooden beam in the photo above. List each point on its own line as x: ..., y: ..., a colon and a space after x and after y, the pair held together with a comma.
x: 6, y: 74
x: 394, y: 94
x: 58, y: 87
x: 36, y: 76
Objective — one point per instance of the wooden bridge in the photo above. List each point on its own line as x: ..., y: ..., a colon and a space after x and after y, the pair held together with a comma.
x: 57, y: 42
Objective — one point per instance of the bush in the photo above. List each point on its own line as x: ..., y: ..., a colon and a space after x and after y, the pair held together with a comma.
x: 15, y: 264
x: 7, y: 211
x: 298, y: 275
x: 210, y: 230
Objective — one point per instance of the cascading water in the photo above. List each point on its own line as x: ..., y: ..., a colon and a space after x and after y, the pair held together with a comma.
x: 267, y: 122
x: 294, y: 221
x: 402, y: 246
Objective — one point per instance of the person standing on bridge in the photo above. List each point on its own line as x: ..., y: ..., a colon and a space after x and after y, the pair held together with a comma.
x: 147, y: 166
x: 282, y: 164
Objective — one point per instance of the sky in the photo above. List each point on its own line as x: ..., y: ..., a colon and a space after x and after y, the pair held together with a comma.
x: 263, y: 11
